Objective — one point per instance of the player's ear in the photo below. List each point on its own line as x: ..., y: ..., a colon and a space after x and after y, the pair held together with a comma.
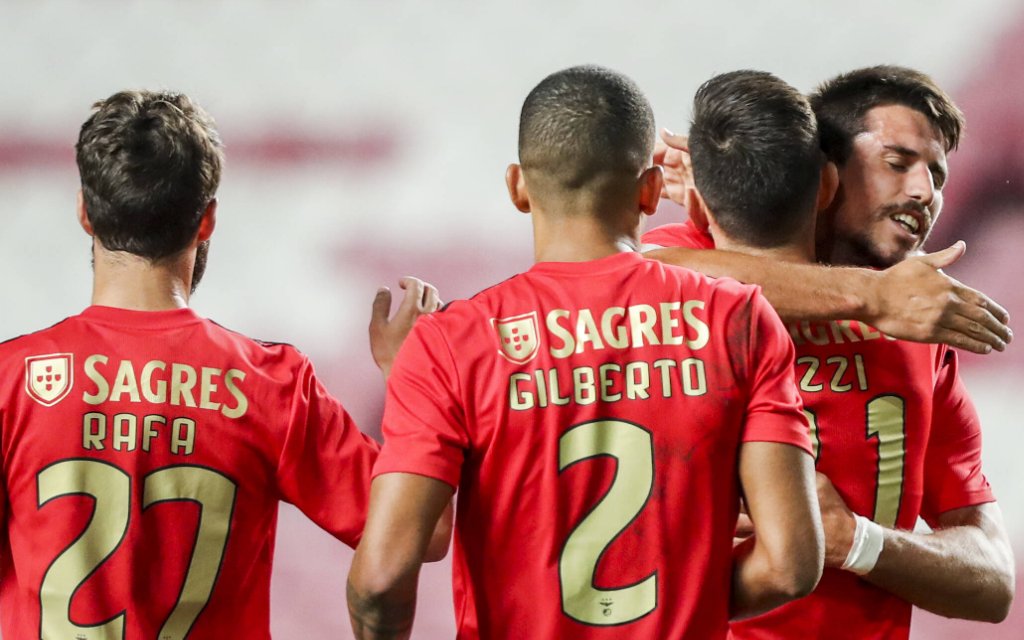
x: 207, y: 222
x: 82, y: 214
x: 697, y: 209
x: 516, y: 183
x: 828, y: 185
x: 651, y: 181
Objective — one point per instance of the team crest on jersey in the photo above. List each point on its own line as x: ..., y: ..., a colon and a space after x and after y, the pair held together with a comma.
x: 518, y: 337
x: 49, y: 378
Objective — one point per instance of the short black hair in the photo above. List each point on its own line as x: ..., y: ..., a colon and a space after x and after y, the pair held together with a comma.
x: 756, y: 161
x: 150, y: 162
x: 842, y: 102
x: 585, y: 123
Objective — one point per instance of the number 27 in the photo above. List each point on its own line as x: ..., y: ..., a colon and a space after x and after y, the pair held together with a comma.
x: 110, y: 487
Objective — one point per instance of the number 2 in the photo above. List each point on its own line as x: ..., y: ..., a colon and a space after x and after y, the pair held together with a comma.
x: 110, y: 488
x: 886, y: 424
x: 633, y: 449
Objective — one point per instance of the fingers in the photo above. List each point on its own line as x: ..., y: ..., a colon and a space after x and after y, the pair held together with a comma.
x: 431, y: 300
x: 381, y: 307
x: 946, y: 257
x: 413, y: 295
x: 675, y: 141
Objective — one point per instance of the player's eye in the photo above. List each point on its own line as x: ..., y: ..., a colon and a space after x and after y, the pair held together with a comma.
x: 897, y: 167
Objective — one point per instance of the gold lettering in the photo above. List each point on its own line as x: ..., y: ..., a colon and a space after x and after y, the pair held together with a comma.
x: 607, y: 382
x: 94, y: 430
x: 841, y: 329
x: 664, y: 365
x: 820, y: 337
x: 518, y: 399
x: 583, y: 385
x: 642, y: 318
x: 869, y: 333
x: 697, y: 324
x: 670, y: 322
x: 586, y: 331
x: 862, y: 376
x: 208, y: 388
x: 556, y: 398
x: 560, y: 332
x: 102, y: 388
x: 694, y: 380
x: 183, y: 435
x: 841, y: 365
x: 243, y: 403
x: 121, y: 440
x: 183, y: 379
x: 812, y: 368
x: 636, y: 385
x: 614, y: 336
x: 542, y: 388
x: 124, y: 382
x: 160, y: 394
x: 148, y: 430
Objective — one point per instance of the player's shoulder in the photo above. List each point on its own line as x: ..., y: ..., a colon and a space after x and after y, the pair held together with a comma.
x: 260, y: 353
x: 677, y: 234
x: 29, y: 343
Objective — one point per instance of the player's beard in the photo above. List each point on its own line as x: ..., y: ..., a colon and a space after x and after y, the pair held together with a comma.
x: 199, y: 267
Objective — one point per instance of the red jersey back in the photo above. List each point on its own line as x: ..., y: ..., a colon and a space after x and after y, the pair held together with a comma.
x: 144, y: 455
x: 590, y: 415
x: 896, y: 433
x: 678, y: 234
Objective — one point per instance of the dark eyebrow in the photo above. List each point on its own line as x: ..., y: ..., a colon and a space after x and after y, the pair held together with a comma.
x: 903, y: 151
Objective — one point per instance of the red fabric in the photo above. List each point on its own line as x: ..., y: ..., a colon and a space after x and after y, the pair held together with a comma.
x: 679, y: 234
x: 462, y: 410
x: 912, y: 392
x: 264, y: 430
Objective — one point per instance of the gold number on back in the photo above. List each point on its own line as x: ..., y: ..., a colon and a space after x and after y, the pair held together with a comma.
x: 633, y: 450
x: 216, y: 497
x: 110, y: 488
x: 887, y: 424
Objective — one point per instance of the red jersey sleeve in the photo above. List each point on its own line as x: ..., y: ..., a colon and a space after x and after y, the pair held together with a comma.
x: 774, y: 408
x: 680, y: 234
x: 325, y: 464
x: 952, y: 473
x: 424, y: 424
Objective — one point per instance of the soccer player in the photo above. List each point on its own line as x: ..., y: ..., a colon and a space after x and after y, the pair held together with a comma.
x: 892, y: 426
x: 599, y: 414
x: 145, y: 448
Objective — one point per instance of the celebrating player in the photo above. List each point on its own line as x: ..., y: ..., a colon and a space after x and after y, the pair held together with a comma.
x: 145, y: 449
x: 891, y: 424
x: 599, y: 415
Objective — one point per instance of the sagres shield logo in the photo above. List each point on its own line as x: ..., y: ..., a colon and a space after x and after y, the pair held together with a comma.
x: 518, y: 337
x: 49, y: 378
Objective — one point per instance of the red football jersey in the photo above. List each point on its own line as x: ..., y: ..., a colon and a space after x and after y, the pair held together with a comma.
x: 144, y: 455
x: 896, y: 433
x: 590, y: 416
x: 678, y: 234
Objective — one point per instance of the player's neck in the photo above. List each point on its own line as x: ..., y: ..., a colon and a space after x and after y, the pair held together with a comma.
x: 799, y: 252
x: 126, y: 281
x: 580, y: 238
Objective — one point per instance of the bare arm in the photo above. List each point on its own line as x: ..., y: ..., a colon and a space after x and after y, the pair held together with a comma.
x: 782, y: 561
x: 404, y: 512
x: 913, y: 300
x: 387, y: 334
x: 965, y: 569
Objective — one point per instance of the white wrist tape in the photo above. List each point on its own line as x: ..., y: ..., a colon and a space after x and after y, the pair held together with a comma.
x: 867, y: 546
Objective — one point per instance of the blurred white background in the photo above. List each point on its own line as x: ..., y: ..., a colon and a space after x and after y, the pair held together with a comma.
x: 367, y: 141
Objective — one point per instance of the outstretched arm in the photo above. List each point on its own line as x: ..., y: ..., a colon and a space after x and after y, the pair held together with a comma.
x: 912, y: 300
x: 964, y: 569
x: 404, y: 512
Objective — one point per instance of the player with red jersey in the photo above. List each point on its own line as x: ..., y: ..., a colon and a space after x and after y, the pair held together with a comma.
x: 599, y: 415
x: 145, y: 449
x: 892, y: 427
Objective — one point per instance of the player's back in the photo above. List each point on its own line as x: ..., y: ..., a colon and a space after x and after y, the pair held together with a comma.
x: 144, y: 455
x: 897, y: 436
x: 601, y: 407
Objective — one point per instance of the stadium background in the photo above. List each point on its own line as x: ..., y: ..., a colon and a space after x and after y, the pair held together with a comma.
x: 367, y: 141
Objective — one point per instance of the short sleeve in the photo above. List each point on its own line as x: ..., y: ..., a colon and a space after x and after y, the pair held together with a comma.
x: 424, y: 422
x: 325, y: 464
x: 774, y: 408
x: 952, y: 476
x: 679, y: 234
